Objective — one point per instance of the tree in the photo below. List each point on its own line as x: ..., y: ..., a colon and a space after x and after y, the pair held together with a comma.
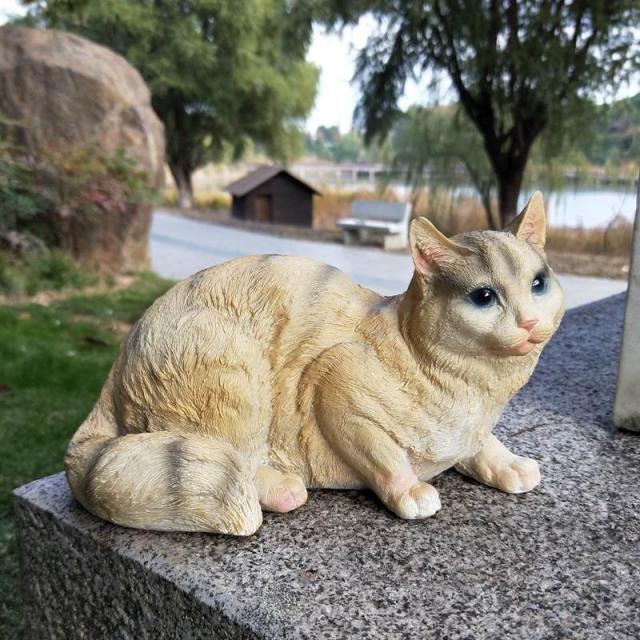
x: 518, y: 66
x: 328, y: 135
x: 617, y: 133
x: 219, y: 72
x: 441, y: 146
x: 347, y: 148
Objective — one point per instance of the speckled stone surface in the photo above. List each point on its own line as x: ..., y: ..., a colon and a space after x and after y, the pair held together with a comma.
x: 561, y: 562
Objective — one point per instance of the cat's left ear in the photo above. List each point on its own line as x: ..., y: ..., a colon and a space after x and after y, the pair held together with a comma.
x: 531, y: 224
x: 432, y: 250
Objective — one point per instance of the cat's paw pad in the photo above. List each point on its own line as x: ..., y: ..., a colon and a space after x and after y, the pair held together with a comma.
x: 421, y: 501
x: 287, y: 494
x: 520, y: 476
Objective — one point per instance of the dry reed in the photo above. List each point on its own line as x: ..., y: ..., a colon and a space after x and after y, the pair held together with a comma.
x: 451, y: 214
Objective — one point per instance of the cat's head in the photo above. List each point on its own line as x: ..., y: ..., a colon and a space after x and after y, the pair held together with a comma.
x: 488, y: 291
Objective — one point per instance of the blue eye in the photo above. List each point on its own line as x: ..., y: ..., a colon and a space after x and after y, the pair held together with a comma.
x: 482, y: 297
x: 539, y: 284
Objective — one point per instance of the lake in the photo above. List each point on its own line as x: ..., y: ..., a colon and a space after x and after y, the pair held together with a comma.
x: 572, y: 207
x: 588, y: 207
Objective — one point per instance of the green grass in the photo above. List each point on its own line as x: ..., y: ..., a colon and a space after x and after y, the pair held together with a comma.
x: 53, y: 362
x: 44, y: 270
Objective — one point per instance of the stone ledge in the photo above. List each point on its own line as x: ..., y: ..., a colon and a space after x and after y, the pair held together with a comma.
x: 563, y: 561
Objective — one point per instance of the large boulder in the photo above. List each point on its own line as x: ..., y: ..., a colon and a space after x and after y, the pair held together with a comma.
x: 65, y: 93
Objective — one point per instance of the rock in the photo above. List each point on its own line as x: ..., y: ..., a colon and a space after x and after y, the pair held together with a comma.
x: 67, y: 93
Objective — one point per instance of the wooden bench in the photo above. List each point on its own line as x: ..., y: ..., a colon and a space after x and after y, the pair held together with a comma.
x: 376, y: 217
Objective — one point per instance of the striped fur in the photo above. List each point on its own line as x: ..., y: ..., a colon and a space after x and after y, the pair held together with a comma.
x: 254, y: 380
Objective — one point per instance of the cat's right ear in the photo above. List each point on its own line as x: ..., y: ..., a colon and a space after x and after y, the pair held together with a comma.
x: 430, y: 249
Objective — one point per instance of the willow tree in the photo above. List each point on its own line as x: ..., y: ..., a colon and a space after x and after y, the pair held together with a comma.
x: 439, y: 147
x: 220, y: 73
x: 518, y: 67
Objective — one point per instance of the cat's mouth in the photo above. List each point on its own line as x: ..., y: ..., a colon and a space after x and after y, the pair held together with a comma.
x: 524, y: 347
x: 521, y: 349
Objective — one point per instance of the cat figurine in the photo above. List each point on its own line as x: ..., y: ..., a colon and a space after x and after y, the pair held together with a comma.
x: 254, y: 380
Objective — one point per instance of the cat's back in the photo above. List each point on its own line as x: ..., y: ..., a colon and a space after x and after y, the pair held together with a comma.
x: 272, y: 296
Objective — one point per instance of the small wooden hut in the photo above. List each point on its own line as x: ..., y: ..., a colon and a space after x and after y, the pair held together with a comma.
x: 272, y: 194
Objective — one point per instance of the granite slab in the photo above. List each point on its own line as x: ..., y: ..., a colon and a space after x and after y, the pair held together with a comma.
x: 560, y: 562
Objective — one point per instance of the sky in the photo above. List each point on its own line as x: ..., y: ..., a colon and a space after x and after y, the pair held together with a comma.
x: 335, y: 55
x: 9, y: 8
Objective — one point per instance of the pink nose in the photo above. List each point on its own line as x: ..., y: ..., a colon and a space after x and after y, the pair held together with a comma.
x: 529, y: 324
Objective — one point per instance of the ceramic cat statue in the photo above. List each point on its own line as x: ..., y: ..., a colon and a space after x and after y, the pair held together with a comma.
x: 257, y: 379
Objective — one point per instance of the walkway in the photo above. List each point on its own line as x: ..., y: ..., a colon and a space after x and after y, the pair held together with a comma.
x: 180, y: 247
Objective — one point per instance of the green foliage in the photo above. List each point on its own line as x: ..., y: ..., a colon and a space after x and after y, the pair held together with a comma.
x: 518, y: 68
x: 41, y: 270
x: 20, y: 200
x: 329, y: 144
x: 46, y: 200
x: 85, y: 181
x: 51, y: 375
x: 615, y: 133
x: 220, y: 72
x: 440, y: 147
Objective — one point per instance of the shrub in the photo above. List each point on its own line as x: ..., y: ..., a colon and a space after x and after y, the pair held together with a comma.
x: 42, y: 270
x: 20, y: 200
x: 55, y: 196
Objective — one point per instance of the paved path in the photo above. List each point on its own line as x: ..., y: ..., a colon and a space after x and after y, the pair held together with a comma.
x: 180, y: 247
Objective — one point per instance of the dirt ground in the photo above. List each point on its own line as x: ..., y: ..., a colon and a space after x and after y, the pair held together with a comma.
x: 582, y: 264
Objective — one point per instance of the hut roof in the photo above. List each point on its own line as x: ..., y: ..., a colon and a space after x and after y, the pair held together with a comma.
x: 259, y: 176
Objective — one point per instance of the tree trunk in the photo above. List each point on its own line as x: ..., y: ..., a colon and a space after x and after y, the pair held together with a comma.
x: 492, y: 221
x: 182, y: 178
x: 509, y: 184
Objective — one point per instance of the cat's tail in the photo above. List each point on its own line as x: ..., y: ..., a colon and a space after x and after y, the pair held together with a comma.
x: 160, y: 480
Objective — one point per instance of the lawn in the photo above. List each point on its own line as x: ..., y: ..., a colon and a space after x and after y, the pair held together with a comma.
x: 53, y: 362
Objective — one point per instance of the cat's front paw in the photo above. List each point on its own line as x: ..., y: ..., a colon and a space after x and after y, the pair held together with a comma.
x: 519, y: 476
x: 420, y: 501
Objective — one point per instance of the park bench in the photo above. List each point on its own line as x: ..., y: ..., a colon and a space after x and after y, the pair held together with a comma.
x: 376, y: 217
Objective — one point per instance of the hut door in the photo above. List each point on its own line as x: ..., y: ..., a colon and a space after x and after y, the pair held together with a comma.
x: 263, y: 208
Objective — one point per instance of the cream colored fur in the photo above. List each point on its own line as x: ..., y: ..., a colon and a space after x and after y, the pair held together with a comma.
x: 258, y: 378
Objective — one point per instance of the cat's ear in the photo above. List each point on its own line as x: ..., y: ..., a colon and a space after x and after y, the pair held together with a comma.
x: 430, y: 248
x: 531, y: 224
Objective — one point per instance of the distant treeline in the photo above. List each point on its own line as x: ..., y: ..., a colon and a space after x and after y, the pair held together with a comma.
x: 612, y: 138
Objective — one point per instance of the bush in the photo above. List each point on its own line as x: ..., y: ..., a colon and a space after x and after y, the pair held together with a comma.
x: 20, y: 201
x: 53, y: 198
x: 43, y: 270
